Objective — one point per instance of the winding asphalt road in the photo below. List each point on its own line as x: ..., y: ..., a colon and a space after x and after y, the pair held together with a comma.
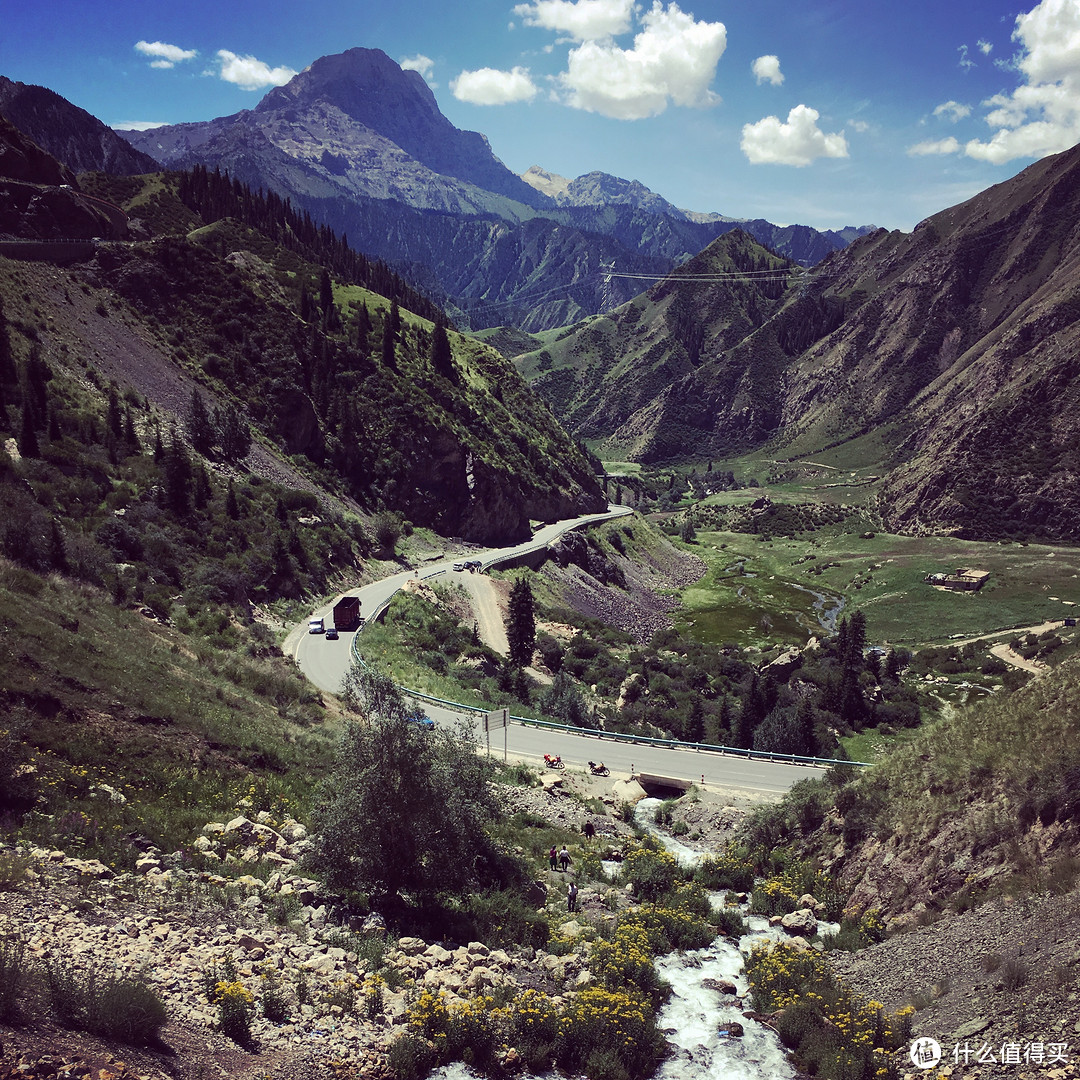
x: 326, y: 662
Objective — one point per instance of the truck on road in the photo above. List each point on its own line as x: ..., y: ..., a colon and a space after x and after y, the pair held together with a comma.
x: 347, y: 613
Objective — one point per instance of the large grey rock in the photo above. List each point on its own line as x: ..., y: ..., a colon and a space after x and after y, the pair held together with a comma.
x: 802, y: 923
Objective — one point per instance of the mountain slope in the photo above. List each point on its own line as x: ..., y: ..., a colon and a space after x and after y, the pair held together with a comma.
x: 346, y: 381
x: 606, y: 378
x: 955, y: 346
x: 40, y: 198
x: 70, y: 134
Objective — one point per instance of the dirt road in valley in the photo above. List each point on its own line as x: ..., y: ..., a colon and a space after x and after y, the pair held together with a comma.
x: 486, y: 601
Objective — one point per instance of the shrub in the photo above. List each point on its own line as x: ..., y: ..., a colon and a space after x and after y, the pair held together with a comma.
x: 773, y: 897
x: 725, y: 871
x: 534, y: 1029
x: 729, y: 922
x: 234, y: 1002
x: 428, y: 836
x: 1013, y: 974
x: 460, y: 1030
x: 832, y: 1032
x: 411, y: 1058
x: 12, y: 977
x: 274, y: 999
x: 614, y: 1024
x: 116, y: 1007
x: 651, y: 871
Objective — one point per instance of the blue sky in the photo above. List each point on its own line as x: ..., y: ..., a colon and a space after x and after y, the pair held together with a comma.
x: 822, y: 112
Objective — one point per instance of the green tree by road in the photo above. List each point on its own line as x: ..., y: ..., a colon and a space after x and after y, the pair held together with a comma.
x: 406, y: 809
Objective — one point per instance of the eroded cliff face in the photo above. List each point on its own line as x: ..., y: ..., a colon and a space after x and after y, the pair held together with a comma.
x: 453, y: 491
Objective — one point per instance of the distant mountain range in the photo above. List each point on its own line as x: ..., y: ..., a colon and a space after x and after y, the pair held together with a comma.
x: 945, y: 359
x: 360, y: 144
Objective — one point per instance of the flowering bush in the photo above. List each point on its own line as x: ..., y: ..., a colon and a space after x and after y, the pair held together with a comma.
x: 652, y: 872
x: 627, y: 962
x: 235, y: 1003
x: 533, y: 1028
x: 773, y: 897
x: 832, y: 1031
x: 459, y: 1031
x: 726, y: 871
x: 599, y: 1024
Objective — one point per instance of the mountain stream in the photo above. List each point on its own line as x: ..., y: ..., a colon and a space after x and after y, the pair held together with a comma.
x: 696, y: 1017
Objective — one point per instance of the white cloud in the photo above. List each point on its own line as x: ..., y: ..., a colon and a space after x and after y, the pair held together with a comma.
x: 767, y: 69
x: 673, y: 59
x: 965, y: 61
x: 984, y: 47
x: 582, y: 20
x: 934, y: 146
x: 799, y: 141
x: 138, y: 125
x: 421, y: 63
x: 249, y: 73
x: 167, y: 55
x: 861, y: 126
x: 953, y: 110
x: 1042, y: 116
x: 488, y: 86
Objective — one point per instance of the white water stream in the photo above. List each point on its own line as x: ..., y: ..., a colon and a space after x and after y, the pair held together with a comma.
x: 696, y: 1017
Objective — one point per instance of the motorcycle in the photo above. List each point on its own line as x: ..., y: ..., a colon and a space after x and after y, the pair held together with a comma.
x: 598, y: 769
x: 554, y: 762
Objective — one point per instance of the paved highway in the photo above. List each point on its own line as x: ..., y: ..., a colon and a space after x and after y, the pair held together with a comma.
x: 326, y: 662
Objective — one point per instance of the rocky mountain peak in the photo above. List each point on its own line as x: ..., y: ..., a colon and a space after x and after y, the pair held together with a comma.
x: 549, y: 183
x: 367, y: 86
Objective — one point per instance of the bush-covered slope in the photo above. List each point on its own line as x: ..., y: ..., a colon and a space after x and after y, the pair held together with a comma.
x: 980, y: 799
x: 362, y: 393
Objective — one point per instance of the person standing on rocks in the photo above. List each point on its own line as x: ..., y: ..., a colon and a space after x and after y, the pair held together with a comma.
x: 571, y: 897
x: 553, y: 856
x: 589, y: 830
x: 564, y: 859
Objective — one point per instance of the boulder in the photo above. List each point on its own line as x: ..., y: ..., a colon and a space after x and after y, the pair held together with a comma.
x: 802, y: 923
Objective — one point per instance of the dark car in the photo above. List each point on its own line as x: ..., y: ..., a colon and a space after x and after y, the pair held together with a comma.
x: 331, y: 633
x: 421, y: 720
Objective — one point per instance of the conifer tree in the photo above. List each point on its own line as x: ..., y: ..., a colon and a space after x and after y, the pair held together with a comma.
x: 442, y: 357
x: 389, y: 356
x: 114, y: 419
x: 326, y: 291
x: 28, y: 440
x: 232, y: 507
x: 57, y: 547
x: 7, y: 362
x: 200, y: 428
x: 521, y: 631
x: 176, y: 467
x: 233, y: 433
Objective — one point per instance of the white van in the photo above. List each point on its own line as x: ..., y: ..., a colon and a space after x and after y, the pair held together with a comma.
x: 459, y: 566
x: 316, y: 626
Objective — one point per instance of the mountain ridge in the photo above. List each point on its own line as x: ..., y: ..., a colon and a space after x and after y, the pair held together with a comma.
x: 955, y: 344
x: 354, y: 135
